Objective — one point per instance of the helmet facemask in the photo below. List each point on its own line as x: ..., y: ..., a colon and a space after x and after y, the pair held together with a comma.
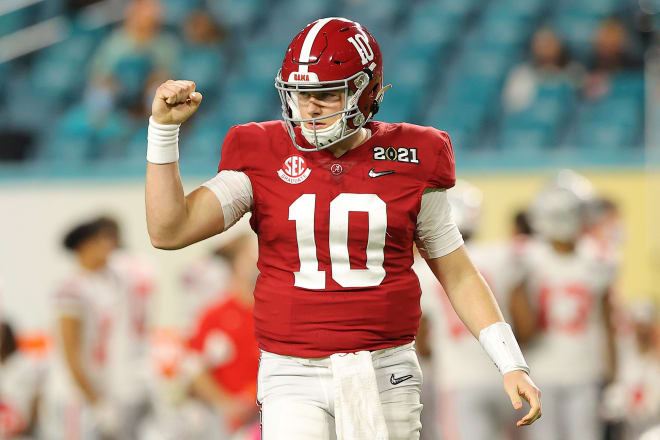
x: 351, y: 120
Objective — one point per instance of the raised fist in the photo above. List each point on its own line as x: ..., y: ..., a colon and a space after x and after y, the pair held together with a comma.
x: 175, y: 102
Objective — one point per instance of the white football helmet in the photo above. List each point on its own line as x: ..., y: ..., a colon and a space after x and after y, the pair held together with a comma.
x: 575, y: 182
x: 557, y: 214
x: 466, y: 201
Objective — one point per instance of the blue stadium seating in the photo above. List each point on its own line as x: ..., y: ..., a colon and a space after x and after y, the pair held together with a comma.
x: 239, y: 15
x: 543, y: 120
x: 176, y: 11
x: 447, y: 61
x: 59, y: 72
x: 206, y: 66
x: 13, y: 21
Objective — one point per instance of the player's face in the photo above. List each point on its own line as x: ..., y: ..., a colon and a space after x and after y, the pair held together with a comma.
x: 316, y: 104
x: 100, y: 248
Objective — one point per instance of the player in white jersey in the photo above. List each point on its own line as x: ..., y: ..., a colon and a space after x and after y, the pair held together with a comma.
x: 20, y: 381
x: 128, y: 349
x: 470, y: 405
x: 97, y: 336
x: 634, y: 397
x: 202, y: 283
x: 562, y: 310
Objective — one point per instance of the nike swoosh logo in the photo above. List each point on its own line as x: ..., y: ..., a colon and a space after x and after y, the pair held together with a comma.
x: 373, y: 173
x: 398, y: 380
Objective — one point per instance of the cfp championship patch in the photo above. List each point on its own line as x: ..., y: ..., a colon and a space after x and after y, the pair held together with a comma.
x: 294, y: 170
x: 396, y: 154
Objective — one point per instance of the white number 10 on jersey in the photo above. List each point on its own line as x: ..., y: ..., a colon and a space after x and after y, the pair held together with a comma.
x: 309, y: 276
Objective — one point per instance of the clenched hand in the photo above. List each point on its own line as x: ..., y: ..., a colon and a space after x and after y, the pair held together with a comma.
x: 175, y: 102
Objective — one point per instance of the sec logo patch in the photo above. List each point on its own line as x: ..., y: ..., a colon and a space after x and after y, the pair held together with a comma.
x: 294, y: 170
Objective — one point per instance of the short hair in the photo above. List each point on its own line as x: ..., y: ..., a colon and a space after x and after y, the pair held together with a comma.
x: 8, y: 343
x: 85, y: 231
x: 521, y: 223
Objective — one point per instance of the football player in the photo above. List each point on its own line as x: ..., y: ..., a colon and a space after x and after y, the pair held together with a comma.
x: 471, y: 406
x: 223, y: 355
x: 561, y: 310
x: 337, y: 200
x: 20, y: 382
x: 95, y: 386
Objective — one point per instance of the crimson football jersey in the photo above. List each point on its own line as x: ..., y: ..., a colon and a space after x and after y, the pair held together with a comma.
x: 336, y: 234
x: 225, y: 340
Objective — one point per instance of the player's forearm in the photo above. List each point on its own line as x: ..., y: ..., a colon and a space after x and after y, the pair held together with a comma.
x: 165, y: 203
x: 82, y: 380
x: 466, y: 289
x: 611, y: 338
x: 523, y: 316
x: 474, y: 303
x: 78, y: 373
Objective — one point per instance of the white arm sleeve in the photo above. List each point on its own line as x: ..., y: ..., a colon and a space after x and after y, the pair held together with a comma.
x: 234, y: 192
x: 436, y: 234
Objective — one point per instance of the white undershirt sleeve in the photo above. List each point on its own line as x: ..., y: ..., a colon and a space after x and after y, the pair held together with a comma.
x: 234, y: 192
x: 436, y: 234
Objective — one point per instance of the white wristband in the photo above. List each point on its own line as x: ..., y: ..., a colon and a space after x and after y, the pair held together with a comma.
x: 500, y: 344
x: 162, y: 142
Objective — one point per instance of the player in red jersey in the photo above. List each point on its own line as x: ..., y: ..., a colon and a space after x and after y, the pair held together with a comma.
x: 337, y: 201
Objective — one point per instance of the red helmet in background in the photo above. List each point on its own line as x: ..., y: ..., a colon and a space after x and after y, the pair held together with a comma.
x: 331, y: 54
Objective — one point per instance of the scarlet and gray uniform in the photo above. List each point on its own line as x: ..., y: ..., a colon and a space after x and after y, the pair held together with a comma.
x: 110, y: 305
x: 472, y: 405
x: 569, y: 354
x: 20, y: 382
x: 335, y: 256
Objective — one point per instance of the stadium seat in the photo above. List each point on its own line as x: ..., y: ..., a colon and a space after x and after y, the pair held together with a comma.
x: 543, y: 119
x: 175, y: 11
x: 431, y: 33
x: 204, y: 65
x: 288, y: 17
x: 59, y: 72
x: 205, y: 141
x: 262, y: 62
x: 577, y: 32
x: 375, y: 16
x: 131, y: 72
x: 13, y: 21
x: 238, y: 14
x: 613, y: 122
x: 528, y: 138
x: 85, y: 136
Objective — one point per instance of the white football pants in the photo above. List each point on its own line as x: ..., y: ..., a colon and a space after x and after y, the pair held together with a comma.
x: 570, y: 412
x: 297, y: 395
x: 476, y: 413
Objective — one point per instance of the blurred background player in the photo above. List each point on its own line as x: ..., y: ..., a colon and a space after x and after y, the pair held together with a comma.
x: 633, y: 399
x: 223, y: 350
x: 470, y: 404
x: 20, y: 383
x: 562, y: 315
x: 202, y: 284
x: 96, y: 388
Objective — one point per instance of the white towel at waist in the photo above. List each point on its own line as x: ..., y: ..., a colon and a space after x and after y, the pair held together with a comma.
x: 358, y: 412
